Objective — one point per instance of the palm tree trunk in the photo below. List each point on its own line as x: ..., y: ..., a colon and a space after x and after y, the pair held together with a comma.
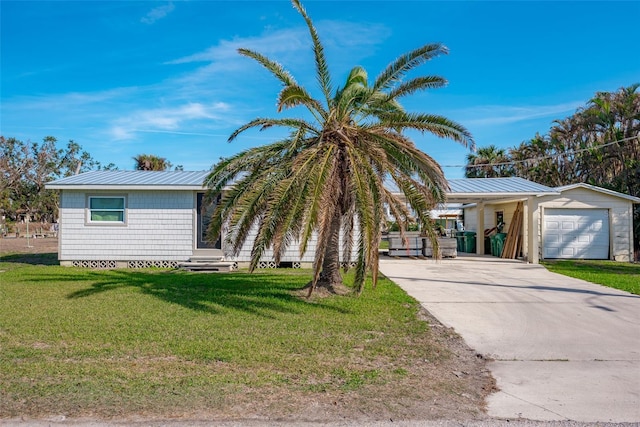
x: 330, y: 280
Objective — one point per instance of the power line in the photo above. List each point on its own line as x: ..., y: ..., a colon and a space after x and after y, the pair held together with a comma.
x: 536, y: 159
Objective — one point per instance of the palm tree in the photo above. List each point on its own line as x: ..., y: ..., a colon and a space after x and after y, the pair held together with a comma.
x: 329, y: 176
x: 488, y: 162
x: 150, y: 162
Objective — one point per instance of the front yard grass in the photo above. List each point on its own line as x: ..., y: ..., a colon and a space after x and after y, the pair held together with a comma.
x: 618, y: 275
x: 154, y: 343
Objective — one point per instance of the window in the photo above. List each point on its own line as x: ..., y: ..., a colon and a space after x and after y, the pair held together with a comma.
x: 106, y: 209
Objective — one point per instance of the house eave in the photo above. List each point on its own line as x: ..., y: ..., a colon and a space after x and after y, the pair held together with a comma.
x: 111, y: 187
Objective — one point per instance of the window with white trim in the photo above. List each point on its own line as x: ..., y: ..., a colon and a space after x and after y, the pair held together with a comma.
x: 106, y: 209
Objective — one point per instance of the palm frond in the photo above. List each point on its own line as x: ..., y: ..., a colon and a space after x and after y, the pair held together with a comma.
x: 415, y: 85
x: 322, y: 170
x: 437, y: 125
x: 397, y: 69
x: 275, y: 68
x: 264, y: 123
x: 292, y: 96
x: 322, y: 69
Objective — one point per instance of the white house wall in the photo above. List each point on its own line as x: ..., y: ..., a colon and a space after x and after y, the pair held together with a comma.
x: 159, y: 227
x: 620, y: 217
x: 292, y: 253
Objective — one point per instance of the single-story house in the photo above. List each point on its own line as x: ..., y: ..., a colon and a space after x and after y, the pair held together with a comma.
x: 133, y: 219
x: 110, y: 219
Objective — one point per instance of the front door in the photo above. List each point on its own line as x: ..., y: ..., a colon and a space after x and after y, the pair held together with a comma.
x: 204, y: 211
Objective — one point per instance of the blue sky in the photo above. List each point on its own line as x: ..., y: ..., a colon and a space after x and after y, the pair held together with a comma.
x: 123, y: 78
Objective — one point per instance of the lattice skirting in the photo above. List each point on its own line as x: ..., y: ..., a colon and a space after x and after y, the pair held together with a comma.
x: 267, y: 264
x: 105, y: 265
x: 272, y: 264
x: 350, y: 264
x: 152, y: 264
x: 95, y: 265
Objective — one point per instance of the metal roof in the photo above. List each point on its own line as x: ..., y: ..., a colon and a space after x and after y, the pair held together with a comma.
x: 467, y: 190
x: 134, y: 180
x: 496, y: 185
x: 488, y: 189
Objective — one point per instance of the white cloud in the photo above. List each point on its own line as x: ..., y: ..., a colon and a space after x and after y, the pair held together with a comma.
x: 290, y: 46
x: 170, y: 119
x: 287, y: 41
x: 220, y: 71
x: 70, y: 100
x: 492, y: 115
x: 157, y: 13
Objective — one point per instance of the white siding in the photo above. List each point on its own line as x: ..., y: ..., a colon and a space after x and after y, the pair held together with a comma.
x: 292, y: 253
x: 159, y: 227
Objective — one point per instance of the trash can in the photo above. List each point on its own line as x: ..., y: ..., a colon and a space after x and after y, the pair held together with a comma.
x: 493, y: 244
x: 487, y: 245
x: 499, y: 243
x: 460, y: 241
x: 470, y: 242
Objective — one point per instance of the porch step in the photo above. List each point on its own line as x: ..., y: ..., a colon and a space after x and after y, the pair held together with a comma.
x: 207, y: 264
x: 206, y: 258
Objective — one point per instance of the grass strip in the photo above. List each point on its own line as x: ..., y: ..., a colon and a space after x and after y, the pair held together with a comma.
x: 618, y: 275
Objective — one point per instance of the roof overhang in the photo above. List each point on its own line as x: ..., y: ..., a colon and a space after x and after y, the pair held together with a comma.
x: 494, y: 190
x: 632, y: 199
x: 121, y: 187
x: 467, y: 198
x: 132, y: 180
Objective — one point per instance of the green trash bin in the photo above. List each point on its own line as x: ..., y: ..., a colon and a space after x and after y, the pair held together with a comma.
x: 499, y: 239
x: 487, y: 245
x: 470, y: 242
x: 460, y: 241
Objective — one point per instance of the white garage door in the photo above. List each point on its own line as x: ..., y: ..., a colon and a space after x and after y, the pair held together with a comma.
x: 576, y: 233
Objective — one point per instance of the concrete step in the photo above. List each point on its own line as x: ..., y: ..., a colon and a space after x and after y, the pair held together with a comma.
x: 222, y: 266
x: 206, y: 258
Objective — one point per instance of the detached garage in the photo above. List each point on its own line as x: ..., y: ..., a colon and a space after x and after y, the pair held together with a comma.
x: 587, y: 222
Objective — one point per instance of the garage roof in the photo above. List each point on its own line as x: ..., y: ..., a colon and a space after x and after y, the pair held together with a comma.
x: 600, y: 190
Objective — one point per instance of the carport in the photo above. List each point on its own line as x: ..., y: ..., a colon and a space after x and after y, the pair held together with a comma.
x: 481, y: 193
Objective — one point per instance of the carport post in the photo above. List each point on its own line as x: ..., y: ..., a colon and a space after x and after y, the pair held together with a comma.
x: 533, y: 230
x: 480, y: 230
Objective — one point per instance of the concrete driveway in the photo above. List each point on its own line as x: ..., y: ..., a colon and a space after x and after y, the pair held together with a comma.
x: 562, y: 348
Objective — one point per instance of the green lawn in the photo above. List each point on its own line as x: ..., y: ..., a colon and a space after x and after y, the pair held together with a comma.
x: 619, y: 275
x: 384, y: 244
x: 110, y: 343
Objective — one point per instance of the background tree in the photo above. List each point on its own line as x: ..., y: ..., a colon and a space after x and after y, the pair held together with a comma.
x: 488, y: 162
x: 150, y: 162
x: 27, y: 167
x: 328, y: 178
